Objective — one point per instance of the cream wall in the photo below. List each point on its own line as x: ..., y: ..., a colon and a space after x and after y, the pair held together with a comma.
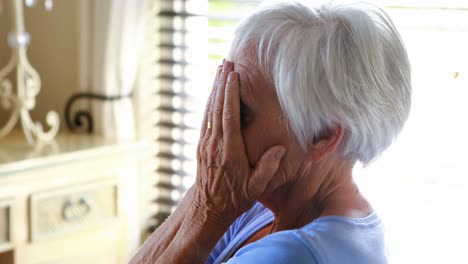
x: 54, y: 53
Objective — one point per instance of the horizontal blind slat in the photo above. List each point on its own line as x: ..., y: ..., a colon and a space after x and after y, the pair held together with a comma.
x: 175, y: 26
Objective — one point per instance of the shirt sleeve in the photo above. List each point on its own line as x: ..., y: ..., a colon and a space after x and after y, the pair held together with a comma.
x: 232, y: 232
x: 222, y: 243
x: 282, y: 247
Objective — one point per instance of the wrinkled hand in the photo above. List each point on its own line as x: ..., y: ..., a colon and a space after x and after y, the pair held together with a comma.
x: 226, y: 185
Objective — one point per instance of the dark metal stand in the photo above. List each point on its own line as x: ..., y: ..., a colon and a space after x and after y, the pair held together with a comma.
x: 83, y: 117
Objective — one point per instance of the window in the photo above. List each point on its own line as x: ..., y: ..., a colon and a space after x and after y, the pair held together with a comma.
x: 420, y: 183
x: 175, y: 66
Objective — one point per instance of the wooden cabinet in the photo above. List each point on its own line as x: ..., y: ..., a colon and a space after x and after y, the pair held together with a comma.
x: 6, y: 225
x: 72, y: 208
x: 73, y: 201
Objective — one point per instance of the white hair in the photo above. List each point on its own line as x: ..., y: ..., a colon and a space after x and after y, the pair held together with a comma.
x: 333, y: 65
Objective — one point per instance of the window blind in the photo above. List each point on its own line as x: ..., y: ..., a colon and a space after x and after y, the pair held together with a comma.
x: 190, y: 39
x: 179, y: 28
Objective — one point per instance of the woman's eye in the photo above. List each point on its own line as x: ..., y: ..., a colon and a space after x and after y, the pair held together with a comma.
x: 244, y: 112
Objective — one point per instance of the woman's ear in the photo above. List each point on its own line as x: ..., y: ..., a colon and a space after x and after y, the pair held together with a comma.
x: 326, y: 143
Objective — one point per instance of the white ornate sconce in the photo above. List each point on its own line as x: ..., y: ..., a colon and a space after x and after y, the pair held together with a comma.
x: 28, y: 83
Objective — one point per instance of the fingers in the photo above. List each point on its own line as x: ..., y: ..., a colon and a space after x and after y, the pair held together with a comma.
x: 219, y: 100
x: 264, y: 170
x: 205, y: 131
x: 231, y: 110
x: 205, y: 117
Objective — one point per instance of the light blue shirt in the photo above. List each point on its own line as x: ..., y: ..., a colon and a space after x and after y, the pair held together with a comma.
x: 326, y: 240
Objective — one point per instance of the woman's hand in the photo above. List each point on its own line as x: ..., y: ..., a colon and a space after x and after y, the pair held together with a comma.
x: 226, y: 185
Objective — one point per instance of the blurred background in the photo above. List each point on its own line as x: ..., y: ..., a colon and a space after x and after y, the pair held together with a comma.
x: 142, y: 69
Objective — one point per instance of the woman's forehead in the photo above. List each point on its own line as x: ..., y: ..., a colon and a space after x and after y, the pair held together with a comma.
x: 253, y: 85
x: 245, y: 65
x: 247, y: 74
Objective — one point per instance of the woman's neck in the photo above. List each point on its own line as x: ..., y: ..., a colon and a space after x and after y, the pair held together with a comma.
x: 317, y: 191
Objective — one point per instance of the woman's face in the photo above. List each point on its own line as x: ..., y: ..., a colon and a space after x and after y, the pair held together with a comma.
x: 263, y: 124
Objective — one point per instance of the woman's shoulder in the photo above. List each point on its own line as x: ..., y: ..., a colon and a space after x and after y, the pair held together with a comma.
x: 339, y: 239
x: 281, y: 247
x: 331, y: 239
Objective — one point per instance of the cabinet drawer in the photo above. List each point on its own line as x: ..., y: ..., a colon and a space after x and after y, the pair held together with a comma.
x: 5, y: 225
x: 72, y: 209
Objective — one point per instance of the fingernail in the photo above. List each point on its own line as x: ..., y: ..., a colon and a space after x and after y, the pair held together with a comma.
x: 279, y: 155
x: 225, y: 65
x: 232, y: 76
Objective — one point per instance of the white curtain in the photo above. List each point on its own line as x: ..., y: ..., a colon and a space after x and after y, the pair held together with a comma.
x: 112, y: 41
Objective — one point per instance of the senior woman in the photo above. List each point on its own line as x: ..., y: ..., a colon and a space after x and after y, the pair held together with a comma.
x: 307, y: 92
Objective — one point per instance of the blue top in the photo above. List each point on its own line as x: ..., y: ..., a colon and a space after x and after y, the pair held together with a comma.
x: 326, y: 240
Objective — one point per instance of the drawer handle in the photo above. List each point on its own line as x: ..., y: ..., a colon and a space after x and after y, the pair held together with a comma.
x: 76, y: 210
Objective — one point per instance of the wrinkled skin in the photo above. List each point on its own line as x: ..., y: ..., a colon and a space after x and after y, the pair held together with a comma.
x: 264, y: 124
x: 231, y: 176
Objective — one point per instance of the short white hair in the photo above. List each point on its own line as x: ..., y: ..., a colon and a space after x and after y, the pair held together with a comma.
x: 333, y: 64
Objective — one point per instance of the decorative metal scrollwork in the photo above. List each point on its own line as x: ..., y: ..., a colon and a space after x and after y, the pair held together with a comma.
x: 28, y: 85
x: 83, y: 119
